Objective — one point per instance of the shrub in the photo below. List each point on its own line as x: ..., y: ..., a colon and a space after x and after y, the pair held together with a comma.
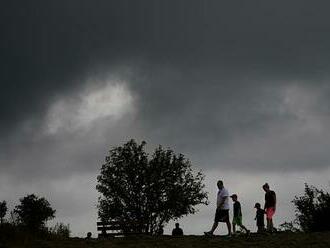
x: 313, y: 209
x: 288, y: 227
x: 60, y: 231
x: 3, y: 210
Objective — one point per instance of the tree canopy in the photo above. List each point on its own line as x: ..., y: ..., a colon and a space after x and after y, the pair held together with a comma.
x: 144, y: 193
x: 33, y: 212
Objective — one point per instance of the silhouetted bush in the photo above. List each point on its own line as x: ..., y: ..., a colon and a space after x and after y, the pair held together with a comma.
x: 288, y: 227
x: 3, y: 210
x: 313, y: 209
x: 33, y: 212
x: 20, y: 234
x: 60, y: 231
x: 148, y: 192
x: 27, y: 222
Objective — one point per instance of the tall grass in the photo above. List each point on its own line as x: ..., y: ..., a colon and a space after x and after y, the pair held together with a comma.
x: 19, y: 234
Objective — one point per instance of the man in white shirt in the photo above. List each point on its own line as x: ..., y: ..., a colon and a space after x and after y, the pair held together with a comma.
x: 222, y: 212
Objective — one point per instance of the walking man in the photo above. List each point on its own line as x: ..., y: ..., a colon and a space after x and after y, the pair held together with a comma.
x: 222, y: 212
x: 270, y: 206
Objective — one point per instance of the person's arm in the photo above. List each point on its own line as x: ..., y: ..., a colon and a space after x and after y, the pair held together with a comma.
x: 274, y: 201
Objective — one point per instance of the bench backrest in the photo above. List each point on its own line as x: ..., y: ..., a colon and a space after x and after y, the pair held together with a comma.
x: 117, y: 228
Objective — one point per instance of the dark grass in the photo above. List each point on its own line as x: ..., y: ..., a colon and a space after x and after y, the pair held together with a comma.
x: 275, y: 240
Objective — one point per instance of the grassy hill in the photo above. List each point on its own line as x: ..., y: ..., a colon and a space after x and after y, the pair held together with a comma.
x: 277, y: 240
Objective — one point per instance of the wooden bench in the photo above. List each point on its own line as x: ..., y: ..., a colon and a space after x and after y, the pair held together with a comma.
x: 115, y: 229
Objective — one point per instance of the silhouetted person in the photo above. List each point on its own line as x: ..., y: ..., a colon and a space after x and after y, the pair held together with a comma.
x: 177, y: 231
x: 270, y: 206
x: 260, y: 218
x: 89, y: 236
x: 222, y: 212
x: 237, y: 218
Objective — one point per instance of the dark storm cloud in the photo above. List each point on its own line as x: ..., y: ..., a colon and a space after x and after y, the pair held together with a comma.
x: 204, y: 71
x: 234, y: 85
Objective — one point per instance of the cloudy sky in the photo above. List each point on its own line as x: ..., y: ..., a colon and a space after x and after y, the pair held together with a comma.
x: 240, y: 87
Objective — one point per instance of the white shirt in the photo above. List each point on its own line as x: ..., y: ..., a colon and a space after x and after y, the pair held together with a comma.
x: 221, y: 194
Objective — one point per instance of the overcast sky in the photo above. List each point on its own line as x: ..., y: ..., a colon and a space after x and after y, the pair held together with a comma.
x: 240, y: 87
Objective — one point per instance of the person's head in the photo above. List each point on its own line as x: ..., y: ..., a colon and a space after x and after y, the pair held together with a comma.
x: 265, y: 187
x: 89, y: 235
x: 177, y: 225
x: 257, y: 205
x: 234, y: 197
x: 220, y: 184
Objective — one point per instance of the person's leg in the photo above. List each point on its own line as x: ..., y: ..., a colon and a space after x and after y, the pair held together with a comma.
x: 215, y: 225
x: 234, y: 228
x: 244, y: 228
x: 228, y: 226
x: 261, y: 229
x: 267, y: 210
x: 271, y: 226
x: 268, y: 224
x: 269, y: 213
x: 225, y: 218
x: 239, y: 222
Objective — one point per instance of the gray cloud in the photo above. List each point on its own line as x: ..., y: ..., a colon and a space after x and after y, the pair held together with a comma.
x: 210, y: 79
x: 49, y: 47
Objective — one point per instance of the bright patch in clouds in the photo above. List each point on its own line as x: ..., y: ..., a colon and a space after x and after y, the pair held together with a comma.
x: 112, y: 100
x: 298, y: 136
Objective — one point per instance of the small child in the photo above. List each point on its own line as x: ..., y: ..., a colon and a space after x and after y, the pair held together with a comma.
x: 260, y: 217
x: 237, y: 219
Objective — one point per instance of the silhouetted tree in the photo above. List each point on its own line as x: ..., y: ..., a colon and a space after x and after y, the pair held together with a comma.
x: 148, y: 192
x: 33, y: 212
x: 313, y: 209
x: 3, y: 210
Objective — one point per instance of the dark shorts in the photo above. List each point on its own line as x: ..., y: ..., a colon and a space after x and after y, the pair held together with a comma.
x: 221, y: 215
x: 237, y: 220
